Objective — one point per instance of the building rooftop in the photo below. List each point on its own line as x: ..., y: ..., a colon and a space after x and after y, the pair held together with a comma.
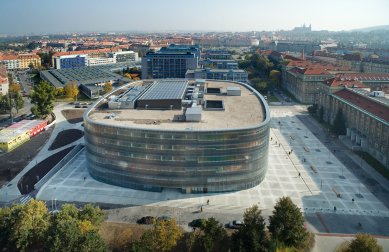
x: 360, y: 98
x: 166, y: 89
x: 365, y: 76
x: 104, y: 50
x: 340, y: 82
x: 246, y: 110
x: 85, y: 75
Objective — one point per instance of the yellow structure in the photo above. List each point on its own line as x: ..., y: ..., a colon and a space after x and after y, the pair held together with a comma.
x: 26, y: 59
x: 12, y: 138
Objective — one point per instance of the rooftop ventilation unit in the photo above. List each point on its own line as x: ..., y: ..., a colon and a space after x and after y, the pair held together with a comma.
x: 193, y: 114
x: 233, y: 91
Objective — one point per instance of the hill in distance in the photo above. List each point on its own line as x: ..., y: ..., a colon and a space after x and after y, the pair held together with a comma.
x: 373, y: 28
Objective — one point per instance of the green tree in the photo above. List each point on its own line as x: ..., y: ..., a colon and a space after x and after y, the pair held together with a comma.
x: 251, y: 235
x: 59, y: 91
x: 4, y: 103
x: 286, y: 225
x: 107, y: 87
x: 163, y: 236
x: 93, y: 214
x: 214, y: 237
x: 18, y: 101
x: 10, y: 101
x: 14, y: 88
x: 361, y: 243
x: 42, y: 97
x: 71, y: 89
x: 31, y: 226
x: 275, y: 77
x: 312, y: 110
x: 76, y: 230
x: 339, y: 124
x: 321, y: 114
x: 8, y: 219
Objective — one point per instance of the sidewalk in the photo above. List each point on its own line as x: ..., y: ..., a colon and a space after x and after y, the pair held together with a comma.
x: 362, y: 163
x: 9, y: 193
x: 326, y: 243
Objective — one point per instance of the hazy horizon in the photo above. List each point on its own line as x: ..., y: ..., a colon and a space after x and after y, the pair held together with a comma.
x: 44, y: 16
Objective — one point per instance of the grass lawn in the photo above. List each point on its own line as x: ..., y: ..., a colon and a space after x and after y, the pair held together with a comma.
x: 272, y: 98
x: 374, y: 163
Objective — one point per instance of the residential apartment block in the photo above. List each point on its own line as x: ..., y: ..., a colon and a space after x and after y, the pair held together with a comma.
x: 20, y: 61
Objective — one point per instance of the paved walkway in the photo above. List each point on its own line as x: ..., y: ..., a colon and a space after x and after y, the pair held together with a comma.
x: 9, y: 193
x: 324, y: 243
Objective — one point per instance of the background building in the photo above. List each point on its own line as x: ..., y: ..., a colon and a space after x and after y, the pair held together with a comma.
x: 207, y: 143
x: 4, y: 85
x: 20, y: 61
x: 238, y: 75
x: 366, y: 118
x: 70, y: 61
x: 90, y: 80
x: 170, y: 62
x: 73, y: 59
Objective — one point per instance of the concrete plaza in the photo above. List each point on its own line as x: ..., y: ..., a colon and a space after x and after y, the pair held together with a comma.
x: 311, y: 175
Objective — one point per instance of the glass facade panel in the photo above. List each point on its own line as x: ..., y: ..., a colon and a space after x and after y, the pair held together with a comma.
x: 190, y: 161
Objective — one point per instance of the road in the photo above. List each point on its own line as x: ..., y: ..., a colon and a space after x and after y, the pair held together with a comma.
x: 25, y: 82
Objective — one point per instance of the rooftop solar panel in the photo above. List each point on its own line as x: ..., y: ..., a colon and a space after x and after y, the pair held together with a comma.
x: 165, y: 89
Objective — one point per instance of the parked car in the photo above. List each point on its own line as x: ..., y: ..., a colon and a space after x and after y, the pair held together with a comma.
x: 235, y: 224
x: 146, y: 220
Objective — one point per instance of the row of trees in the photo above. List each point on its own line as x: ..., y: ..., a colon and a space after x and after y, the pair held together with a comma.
x: 285, y: 231
x: 43, y: 96
x: 262, y: 72
x: 70, y: 90
x: 12, y: 100
x: 31, y: 227
x: 337, y: 127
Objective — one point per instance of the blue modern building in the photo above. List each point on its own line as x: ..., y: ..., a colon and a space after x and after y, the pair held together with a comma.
x: 70, y: 61
x: 170, y: 62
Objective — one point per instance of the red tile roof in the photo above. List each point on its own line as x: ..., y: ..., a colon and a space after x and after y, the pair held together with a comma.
x: 310, y: 71
x: 363, y: 102
x: 305, y: 63
x: 18, y: 56
x: 365, y: 76
x: 104, y: 50
x: 8, y: 57
x: 338, y: 82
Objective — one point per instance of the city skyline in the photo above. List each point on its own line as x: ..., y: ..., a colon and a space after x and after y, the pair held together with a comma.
x: 25, y: 17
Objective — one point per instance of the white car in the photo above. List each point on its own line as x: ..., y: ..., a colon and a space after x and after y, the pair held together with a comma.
x: 235, y: 224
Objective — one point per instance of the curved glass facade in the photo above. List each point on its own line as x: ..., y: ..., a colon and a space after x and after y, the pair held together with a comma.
x: 193, y: 161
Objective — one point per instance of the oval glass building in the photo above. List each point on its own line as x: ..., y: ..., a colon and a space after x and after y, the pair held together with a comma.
x: 196, y: 136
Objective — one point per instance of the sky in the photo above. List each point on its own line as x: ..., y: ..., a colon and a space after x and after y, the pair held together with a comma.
x: 57, y: 16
